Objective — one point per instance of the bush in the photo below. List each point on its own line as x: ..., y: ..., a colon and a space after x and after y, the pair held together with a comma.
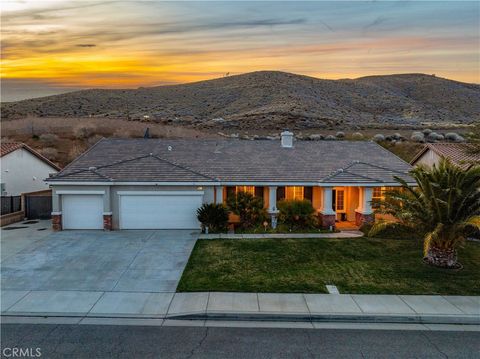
x: 357, y: 136
x: 417, y: 137
x: 296, y: 213
x: 50, y: 152
x: 330, y: 138
x: 379, y: 137
x: 49, y: 139
x: 427, y: 131
x: 214, y: 216
x: 452, y: 136
x: 340, y: 134
x: 249, y: 208
x: 84, y: 132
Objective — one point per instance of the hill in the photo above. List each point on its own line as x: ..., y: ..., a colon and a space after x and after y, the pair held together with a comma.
x: 273, y: 100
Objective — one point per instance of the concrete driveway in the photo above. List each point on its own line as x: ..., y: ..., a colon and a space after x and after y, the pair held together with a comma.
x: 83, y: 266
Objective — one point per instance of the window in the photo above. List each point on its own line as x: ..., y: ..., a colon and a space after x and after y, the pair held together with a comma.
x: 377, y: 193
x: 294, y: 193
x: 247, y: 189
x: 340, y: 200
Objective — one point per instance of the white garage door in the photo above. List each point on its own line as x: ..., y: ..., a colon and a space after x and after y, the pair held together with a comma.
x: 160, y: 210
x: 82, y: 211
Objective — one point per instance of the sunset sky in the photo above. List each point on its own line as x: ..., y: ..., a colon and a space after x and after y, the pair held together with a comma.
x: 54, y: 46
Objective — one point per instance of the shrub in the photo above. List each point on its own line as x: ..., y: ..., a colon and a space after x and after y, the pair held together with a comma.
x: 84, y: 132
x: 49, y: 139
x: 451, y: 136
x: 417, y: 137
x: 427, y: 131
x: 50, y: 152
x: 214, y: 216
x: 296, y: 213
x: 379, y: 137
x: 357, y: 136
x: 248, y: 207
x: 330, y: 138
x: 340, y: 134
x: 432, y: 137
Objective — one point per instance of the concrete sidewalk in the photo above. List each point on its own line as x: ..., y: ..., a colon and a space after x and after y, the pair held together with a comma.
x: 341, y: 234
x: 246, y: 306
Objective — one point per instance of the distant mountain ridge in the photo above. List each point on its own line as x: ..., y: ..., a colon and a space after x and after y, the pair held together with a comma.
x: 271, y: 100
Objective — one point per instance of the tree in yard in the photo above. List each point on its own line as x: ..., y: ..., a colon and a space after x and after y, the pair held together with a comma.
x: 444, y: 204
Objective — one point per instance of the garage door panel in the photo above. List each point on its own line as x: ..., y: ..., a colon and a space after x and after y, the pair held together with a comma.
x: 159, y: 211
x: 82, y: 211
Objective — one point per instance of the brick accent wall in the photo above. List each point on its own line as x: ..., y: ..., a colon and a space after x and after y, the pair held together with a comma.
x: 57, y: 222
x: 361, y: 218
x: 326, y: 220
x: 107, y: 222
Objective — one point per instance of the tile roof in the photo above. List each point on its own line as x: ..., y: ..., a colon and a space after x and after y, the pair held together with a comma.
x: 458, y: 153
x: 8, y: 147
x: 163, y: 160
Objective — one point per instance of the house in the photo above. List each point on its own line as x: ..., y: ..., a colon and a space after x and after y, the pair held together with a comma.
x: 160, y: 183
x: 23, y: 169
x: 458, y: 153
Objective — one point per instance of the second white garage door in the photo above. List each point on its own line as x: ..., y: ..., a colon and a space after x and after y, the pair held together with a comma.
x: 160, y: 210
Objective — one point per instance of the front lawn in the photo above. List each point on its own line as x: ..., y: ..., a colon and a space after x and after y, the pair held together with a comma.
x: 357, y: 265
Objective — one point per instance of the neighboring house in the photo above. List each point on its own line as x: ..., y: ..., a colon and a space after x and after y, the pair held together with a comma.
x: 458, y: 153
x: 23, y: 169
x: 160, y: 183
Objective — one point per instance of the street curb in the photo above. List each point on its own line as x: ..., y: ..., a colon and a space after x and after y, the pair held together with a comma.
x: 340, y: 318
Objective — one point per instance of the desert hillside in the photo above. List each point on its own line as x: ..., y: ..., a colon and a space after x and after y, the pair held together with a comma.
x: 273, y: 100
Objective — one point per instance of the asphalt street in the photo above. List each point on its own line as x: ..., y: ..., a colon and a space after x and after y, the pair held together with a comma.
x: 114, y: 341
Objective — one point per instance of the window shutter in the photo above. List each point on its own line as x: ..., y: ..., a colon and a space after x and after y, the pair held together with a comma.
x: 280, y: 193
x: 259, y: 192
x: 308, y: 193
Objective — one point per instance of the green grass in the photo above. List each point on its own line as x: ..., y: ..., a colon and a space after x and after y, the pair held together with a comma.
x: 357, y: 265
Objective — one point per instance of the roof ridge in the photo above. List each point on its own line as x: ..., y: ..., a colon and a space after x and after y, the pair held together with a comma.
x: 334, y: 173
x: 370, y: 178
x: 100, y: 174
x: 383, y: 168
x: 182, y: 167
x: 100, y: 167
x: 83, y: 154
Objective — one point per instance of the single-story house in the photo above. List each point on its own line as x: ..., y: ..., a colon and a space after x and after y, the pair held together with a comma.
x: 458, y: 153
x: 23, y: 169
x: 160, y: 183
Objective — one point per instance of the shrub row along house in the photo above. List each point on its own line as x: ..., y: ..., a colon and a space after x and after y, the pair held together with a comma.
x: 160, y: 183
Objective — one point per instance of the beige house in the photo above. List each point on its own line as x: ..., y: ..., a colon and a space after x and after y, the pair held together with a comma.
x: 458, y: 153
x: 160, y: 183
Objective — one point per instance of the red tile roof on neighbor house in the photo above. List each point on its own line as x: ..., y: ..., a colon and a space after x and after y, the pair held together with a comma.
x: 458, y: 153
x: 8, y: 147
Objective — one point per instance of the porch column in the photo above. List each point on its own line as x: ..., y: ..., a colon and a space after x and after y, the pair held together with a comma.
x: 272, y: 205
x: 107, y: 211
x: 218, y: 194
x: 56, y: 211
x: 364, y: 213
x: 327, y: 214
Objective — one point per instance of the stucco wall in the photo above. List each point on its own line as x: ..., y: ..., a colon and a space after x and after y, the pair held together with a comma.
x: 429, y: 158
x: 23, y: 172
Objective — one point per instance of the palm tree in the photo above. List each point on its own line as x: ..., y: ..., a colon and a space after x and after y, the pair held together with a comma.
x: 444, y: 204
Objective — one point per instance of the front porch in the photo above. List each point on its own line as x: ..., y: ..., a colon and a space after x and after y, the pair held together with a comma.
x: 342, y: 207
